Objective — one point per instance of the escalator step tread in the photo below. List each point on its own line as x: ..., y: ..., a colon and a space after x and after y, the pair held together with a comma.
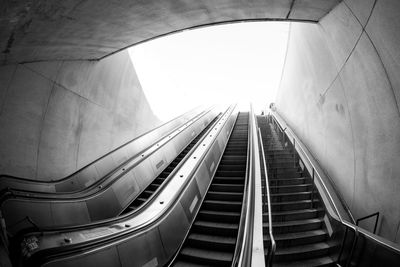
x: 217, y: 256
x: 222, y: 202
x: 213, y: 238
x: 216, y: 224
x: 290, y: 212
x: 302, y: 249
x: 183, y: 263
x: 294, y: 222
x: 294, y: 202
x: 315, y: 262
x: 223, y: 213
x: 296, y: 235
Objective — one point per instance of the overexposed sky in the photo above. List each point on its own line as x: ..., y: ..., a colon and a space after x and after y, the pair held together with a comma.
x: 230, y: 63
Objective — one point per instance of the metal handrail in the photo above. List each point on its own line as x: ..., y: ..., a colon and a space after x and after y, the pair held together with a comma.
x: 272, y: 250
x: 316, y: 173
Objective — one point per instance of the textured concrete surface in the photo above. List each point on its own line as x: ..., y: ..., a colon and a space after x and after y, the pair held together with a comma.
x: 91, y: 29
x: 340, y: 92
x: 56, y: 117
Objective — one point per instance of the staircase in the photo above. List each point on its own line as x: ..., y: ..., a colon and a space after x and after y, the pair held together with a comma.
x: 297, y: 214
x: 212, y: 238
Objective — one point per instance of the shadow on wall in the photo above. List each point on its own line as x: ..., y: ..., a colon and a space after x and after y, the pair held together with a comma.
x: 340, y: 91
x: 56, y: 117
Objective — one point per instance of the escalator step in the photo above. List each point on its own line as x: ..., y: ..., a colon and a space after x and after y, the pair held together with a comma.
x: 208, y: 257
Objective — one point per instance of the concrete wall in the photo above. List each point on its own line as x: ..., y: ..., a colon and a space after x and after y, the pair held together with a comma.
x: 56, y: 117
x: 340, y: 91
x: 91, y: 29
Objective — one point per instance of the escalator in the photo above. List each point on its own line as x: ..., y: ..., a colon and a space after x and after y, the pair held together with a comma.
x: 212, y: 238
x: 154, y: 232
x: 92, y: 174
x: 159, y: 180
x: 48, y: 210
x: 297, y: 212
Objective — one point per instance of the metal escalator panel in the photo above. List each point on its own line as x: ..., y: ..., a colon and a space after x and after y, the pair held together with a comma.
x: 297, y: 214
x: 212, y: 237
x: 162, y: 177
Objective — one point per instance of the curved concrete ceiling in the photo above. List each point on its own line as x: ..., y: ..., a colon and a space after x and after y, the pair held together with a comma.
x: 91, y: 29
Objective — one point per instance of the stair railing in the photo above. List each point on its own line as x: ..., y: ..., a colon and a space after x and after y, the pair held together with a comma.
x: 328, y: 190
x: 267, y: 204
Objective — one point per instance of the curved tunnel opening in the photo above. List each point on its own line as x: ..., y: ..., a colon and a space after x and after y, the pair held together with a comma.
x: 339, y: 90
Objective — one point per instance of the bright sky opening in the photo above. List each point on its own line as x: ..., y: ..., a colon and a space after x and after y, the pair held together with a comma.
x: 231, y: 63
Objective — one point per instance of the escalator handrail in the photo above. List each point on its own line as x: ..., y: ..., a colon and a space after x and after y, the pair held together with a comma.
x: 57, y: 196
x: 267, y: 199
x: 143, y: 227
x: 29, y: 180
x: 357, y: 230
x: 242, y: 254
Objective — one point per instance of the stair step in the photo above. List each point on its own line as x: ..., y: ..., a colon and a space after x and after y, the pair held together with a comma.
x: 222, y: 205
x: 229, y: 196
x: 231, y: 180
x: 290, y: 188
x: 295, y: 226
x: 214, y: 242
x: 221, y: 216
x: 315, y: 262
x: 278, y: 197
x: 301, y: 252
x: 289, y: 181
x: 298, y: 238
x: 227, y: 187
x: 209, y: 257
x: 294, y: 205
x: 293, y: 215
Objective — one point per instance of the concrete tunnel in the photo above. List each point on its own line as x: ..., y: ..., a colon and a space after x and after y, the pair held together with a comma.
x: 69, y: 93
